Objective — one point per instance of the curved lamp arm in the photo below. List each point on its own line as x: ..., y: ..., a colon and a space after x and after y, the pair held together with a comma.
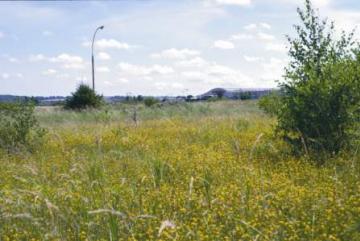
x: 92, y: 57
x: 93, y: 39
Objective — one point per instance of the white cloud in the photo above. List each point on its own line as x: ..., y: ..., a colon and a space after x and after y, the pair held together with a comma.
x: 233, y: 2
x: 103, y: 69
x: 47, y: 33
x: 276, y: 47
x: 161, y: 69
x: 132, y: 69
x: 194, y: 62
x: 176, y: 53
x: 166, y: 85
x: 321, y: 3
x: 81, y: 79
x: 2, y: 35
x: 108, y: 83
x: 194, y: 75
x: 49, y: 72
x: 346, y: 20
x: 148, y: 78
x: 251, y: 58
x: 218, y: 75
x: 13, y: 60
x: 104, y: 56
x: 226, y: 76
x: 251, y: 26
x: 223, y: 44
x: 109, y: 43
x: 19, y: 75
x: 68, y: 61
x: 254, y: 26
x: 36, y: 58
x: 123, y: 80
x: 265, y: 26
x: 161, y: 85
x: 316, y: 3
x: 265, y: 36
x: 63, y: 76
x: 274, y: 69
x: 177, y: 85
x: 5, y: 75
x: 219, y: 70
x: 241, y: 36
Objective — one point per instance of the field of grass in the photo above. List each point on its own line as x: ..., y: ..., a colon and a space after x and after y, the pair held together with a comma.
x: 199, y: 171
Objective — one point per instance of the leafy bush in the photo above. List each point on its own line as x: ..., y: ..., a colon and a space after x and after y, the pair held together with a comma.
x: 245, y: 95
x: 150, y: 101
x: 84, y: 97
x: 18, y: 126
x: 321, y: 94
x: 139, y: 98
x: 271, y: 103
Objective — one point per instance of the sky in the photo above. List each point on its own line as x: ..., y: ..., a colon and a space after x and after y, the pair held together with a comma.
x: 151, y: 47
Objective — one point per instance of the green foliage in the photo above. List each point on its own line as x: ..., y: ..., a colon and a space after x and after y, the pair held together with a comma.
x: 150, y: 101
x: 139, y: 98
x: 320, y: 97
x: 189, y: 98
x: 84, y: 97
x: 207, y: 181
x: 161, y: 172
x: 19, y: 127
x: 245, y: 95
x: 271, y: 103
x: 32, y: 99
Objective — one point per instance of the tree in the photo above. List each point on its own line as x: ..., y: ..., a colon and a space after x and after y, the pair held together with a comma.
x: 320, y: 93
x: 189, y: 98
x: 139, y: 98
x: 245, y: 95
x: 150, y: 101
x: 84, y: 97
x: 315, y: 46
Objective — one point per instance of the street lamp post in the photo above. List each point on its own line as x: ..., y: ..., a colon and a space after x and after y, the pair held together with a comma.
x: 92, y: 57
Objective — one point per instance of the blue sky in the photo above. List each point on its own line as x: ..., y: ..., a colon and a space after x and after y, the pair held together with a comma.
x: 151, y: 47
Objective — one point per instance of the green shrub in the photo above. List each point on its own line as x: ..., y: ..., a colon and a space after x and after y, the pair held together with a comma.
x: 245, y: 95
x: 271, y: 103
x: 18, y: 127
x: 150, y: 101
x: 322, y: 115
x: 84, y: 97
x: 139, y: 98
x: 320, y: 95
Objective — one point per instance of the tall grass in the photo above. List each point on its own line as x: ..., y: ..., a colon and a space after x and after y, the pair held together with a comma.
x: 197, y: 172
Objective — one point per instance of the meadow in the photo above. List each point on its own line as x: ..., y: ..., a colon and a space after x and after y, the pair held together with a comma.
x: 188, y: 171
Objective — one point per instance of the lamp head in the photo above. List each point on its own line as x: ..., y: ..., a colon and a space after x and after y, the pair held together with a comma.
x: 101, y: 27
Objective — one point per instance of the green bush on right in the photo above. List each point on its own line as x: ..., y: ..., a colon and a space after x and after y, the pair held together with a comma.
x: 318, y: 111
x: 270, y: 103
